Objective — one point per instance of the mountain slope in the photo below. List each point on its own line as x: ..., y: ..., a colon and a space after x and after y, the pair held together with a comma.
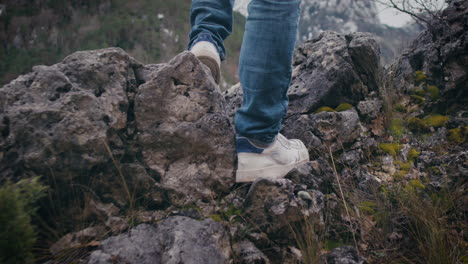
x: 346, y: 16
x: 150, y: 30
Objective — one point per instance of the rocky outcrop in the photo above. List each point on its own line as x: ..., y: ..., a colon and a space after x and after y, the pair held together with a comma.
x: 177, y: 239
x: 85, y: 114
x: 147, y: 154
x: 333, y: 69
x: 328, y: 71
x: 184, y: 132
x: 441, y: 56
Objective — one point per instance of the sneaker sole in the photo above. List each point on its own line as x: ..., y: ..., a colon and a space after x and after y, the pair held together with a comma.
x: 276, y: 172
x: 212, y: 65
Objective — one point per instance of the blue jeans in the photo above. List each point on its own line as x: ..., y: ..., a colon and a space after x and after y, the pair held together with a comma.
x: 265, y: 60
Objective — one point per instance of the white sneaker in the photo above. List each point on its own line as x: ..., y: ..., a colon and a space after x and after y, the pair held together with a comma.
x: 272, y: 162
x: 207, y: 53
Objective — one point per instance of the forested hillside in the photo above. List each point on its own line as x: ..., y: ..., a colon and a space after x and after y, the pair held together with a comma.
x: 45, y: 31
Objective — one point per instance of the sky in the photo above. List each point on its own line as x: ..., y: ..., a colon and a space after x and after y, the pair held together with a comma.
x: 392, y: 17
x: 388, y: 16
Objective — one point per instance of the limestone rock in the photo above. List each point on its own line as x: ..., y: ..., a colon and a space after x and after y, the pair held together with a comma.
x: 272, y: 206
x: 177, y: 239
x: 184, y: 130
x: 343, y: 255
x: 333, y: 69
x: 60, y: 118
x: 441, y: 54
x: 333, y: 129
x: 370, y: 108
x: 247, y: 253
x: 314, y: 174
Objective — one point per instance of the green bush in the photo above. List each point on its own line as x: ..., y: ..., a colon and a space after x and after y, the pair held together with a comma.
x: 16, y: 232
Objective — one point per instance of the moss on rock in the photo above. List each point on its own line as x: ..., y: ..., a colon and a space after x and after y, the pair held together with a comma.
x: 433, y: 91
x: 416, y: 124
x: 436, y: 120
x: 390, y: 148
x: 459, y: 134
x: 343, y: 107
x: 412, y: 155
x: 420, y: 77
x: 324, y: 109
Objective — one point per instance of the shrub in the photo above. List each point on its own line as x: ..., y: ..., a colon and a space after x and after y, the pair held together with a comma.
x: 324, y: 109
x: 16, y: 232
x: 343, y: 107
x: 390, y: 148
x: 436, y: 120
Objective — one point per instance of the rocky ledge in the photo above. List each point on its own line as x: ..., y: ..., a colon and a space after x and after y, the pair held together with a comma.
x: 139, y: 160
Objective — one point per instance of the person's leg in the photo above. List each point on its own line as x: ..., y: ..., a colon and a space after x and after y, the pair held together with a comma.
x: 265, y: 67
x: 211, y: 21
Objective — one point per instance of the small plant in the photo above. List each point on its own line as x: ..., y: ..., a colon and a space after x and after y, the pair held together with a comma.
x: 17, y: 205
x: 458, y: 134
x: 420, y: 92
x: 419, y: 77
x: 436, y: 120
x: 343, y: 107
x: 417, y: 99
x: 416, y: 125
x: 433, y: 91
x: 412, y: 155
x: 400, y: 108
x: 324, y: 109
x: 396, y: 127
x: 390, y: 148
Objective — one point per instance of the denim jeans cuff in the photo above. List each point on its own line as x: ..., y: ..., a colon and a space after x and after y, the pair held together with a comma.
x: 264, y: 139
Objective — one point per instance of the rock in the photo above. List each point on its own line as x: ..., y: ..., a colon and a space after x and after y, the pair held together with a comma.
x: 441, y: 54
x: 343, y: 255
x: 369, y: 109
x: 246, y: 253
x: 60, y: 118
x: 185, y: 131
x: 333, y: 129
x: 233, y: 97
x: 272, y: 206
x: 351, y: 158
x: 177, y: 239
x: 77, y: 239
x: 333, y: 69
x: 314, y: 174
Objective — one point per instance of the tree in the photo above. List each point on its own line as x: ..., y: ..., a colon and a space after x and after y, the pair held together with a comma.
x: 422, y: 11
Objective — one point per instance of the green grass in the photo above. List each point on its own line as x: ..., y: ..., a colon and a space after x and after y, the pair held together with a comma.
x: 17, y: 206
